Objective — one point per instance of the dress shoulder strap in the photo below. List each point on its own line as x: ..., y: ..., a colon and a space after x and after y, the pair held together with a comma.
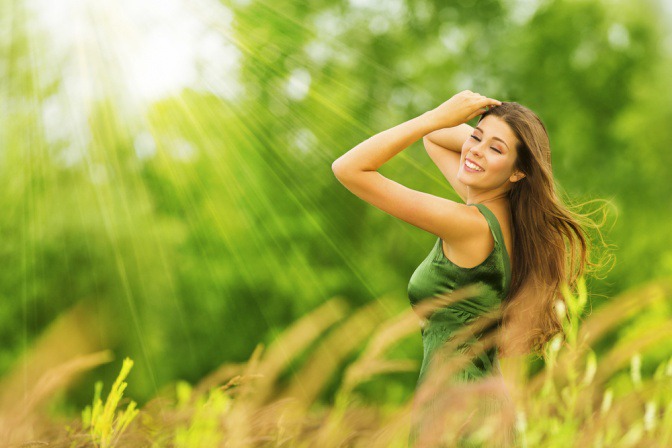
x: 490, y: 217
x: 497, y: 234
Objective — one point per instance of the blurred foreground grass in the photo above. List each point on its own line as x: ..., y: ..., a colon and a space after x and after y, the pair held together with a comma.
x: 578, y: 396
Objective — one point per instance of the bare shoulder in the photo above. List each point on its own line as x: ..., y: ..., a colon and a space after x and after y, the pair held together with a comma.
x: 466, y: 224
x: 475, y: 246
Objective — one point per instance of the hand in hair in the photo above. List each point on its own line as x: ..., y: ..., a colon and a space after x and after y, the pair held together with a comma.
x: 460, y: 108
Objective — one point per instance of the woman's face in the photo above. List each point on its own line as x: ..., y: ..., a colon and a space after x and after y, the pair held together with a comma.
x: 492, y: 148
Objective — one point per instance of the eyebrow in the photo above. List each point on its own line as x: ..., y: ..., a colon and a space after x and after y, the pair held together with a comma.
x: 494, y: 138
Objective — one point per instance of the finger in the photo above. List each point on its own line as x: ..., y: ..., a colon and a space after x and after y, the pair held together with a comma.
x: 478, y: 97
x: 488, y: 103
x: 475, y: 114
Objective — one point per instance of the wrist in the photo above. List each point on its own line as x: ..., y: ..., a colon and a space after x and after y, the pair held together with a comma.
x: 436, y: 122
x: 429, y: 121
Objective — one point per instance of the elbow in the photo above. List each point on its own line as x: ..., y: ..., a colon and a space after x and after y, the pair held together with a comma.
x: 345, y: 170
x: 335, y: 167
x: 339, y: 168
x: 426, y: 140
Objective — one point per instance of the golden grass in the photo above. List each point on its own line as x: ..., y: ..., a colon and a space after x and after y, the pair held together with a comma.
x: 578, y: 398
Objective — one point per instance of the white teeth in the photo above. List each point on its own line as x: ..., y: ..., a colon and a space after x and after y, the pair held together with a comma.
x: 473, y: 166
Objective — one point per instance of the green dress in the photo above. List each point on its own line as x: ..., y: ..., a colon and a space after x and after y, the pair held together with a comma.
x: 437, y: 275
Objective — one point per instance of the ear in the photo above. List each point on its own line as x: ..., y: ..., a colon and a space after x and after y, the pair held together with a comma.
x: 516, y: 176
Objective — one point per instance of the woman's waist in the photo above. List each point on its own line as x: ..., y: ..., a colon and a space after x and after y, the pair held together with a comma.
x: 458, y: 315
x: 460, y: 327
x: 465, y: 303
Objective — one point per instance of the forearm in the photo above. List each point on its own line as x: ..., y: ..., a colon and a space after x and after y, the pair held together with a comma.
x: 374, y: 152
x: 451, y: 138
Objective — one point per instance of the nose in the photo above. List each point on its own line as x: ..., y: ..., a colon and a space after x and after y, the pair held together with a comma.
x: 476, y: 150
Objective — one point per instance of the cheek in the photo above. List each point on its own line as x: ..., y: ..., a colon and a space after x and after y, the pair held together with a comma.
x: 502, y: 168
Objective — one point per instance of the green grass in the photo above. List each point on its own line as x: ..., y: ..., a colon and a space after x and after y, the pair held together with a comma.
x: 103, y: 421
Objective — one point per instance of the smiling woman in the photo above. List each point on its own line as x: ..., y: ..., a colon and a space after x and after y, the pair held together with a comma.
x: 507, y: 258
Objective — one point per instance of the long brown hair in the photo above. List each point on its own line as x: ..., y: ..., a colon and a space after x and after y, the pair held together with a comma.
x: 550, y: 244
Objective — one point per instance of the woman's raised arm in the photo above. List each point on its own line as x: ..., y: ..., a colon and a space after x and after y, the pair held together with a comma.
x: 444, y: 147
x: 451, y: 138
x: 357, y: 170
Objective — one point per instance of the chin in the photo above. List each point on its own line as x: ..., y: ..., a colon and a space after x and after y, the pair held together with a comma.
x: 468, y: 182
x: 460, y: 177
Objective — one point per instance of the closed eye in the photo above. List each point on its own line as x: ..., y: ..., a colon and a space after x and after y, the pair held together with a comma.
x: 492, y: 147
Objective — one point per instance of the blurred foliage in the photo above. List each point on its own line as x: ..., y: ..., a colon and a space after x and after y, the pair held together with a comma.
x: 579, y: 398
x: 200, y: 224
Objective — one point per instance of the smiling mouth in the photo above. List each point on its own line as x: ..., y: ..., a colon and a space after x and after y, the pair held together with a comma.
x: 472, y: 166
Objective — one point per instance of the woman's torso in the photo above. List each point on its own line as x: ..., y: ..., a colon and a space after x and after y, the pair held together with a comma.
x: 437, y: 275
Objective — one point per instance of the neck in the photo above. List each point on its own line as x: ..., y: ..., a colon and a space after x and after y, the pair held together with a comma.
x: 490, y: 196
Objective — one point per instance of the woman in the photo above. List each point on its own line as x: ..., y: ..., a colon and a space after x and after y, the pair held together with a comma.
x: 503, y: 251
